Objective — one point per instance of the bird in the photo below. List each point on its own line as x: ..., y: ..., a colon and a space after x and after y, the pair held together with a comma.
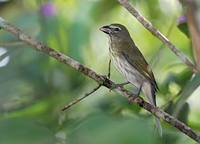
x: 130, y: 62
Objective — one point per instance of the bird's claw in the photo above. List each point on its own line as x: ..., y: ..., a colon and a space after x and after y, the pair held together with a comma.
x: 119, y: 85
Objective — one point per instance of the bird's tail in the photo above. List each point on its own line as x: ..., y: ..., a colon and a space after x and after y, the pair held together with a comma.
x: 149, y: 91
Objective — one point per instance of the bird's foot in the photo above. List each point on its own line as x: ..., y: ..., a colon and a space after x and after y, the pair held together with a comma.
x: 120, y: 85
x: 115, y: 85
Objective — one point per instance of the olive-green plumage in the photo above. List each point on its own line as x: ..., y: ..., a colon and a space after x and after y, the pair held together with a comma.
x: 130, y: 62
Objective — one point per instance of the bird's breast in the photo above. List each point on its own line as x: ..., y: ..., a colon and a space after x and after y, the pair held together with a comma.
x: 128, y: 71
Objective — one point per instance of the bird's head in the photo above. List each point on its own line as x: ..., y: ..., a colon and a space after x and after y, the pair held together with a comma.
x: 116, y: 31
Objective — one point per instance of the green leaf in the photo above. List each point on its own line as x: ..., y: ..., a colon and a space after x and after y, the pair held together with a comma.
x: 183, y: 114
x: 105, y: 129
x: 190, y: 87
x: 181, y: 79
x: 24, y: 131
x: 183, y: 27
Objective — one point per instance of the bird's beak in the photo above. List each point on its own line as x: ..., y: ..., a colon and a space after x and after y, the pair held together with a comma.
x: 106, y: 29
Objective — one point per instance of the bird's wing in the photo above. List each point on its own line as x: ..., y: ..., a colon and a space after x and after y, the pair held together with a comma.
x: 138, y: 62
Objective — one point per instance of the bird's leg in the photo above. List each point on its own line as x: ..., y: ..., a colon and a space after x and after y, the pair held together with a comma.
x: 109, y: 74
x: 120, y: 85
x: 109, y: 68
x: 139, y: 90
x: 123, y: 84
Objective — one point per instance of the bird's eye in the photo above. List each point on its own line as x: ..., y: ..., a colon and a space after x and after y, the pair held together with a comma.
x: 117, y: 29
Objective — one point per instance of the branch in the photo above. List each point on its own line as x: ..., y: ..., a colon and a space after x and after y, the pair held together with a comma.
x: 158, y: 34
x: 101, y: 80
x: 192, y: 13
x: 81, y: 98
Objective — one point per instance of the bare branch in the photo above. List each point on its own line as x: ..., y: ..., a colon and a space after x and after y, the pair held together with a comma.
x: 80, y: 99
x: 192, y: 14
x: 101, y: 80
x: 126, y: 4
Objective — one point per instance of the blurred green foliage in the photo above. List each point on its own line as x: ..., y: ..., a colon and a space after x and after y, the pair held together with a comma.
x: 34, y: 87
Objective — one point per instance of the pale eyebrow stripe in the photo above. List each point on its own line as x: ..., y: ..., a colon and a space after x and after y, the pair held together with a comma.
x: 111, y: 26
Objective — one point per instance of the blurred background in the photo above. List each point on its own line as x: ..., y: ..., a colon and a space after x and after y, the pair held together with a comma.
x: 34, y: 87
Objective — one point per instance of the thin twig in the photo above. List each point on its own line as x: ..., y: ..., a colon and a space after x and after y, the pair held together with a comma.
x: 80, y: 99
x: 126, y: 4
x: 101, y: 80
